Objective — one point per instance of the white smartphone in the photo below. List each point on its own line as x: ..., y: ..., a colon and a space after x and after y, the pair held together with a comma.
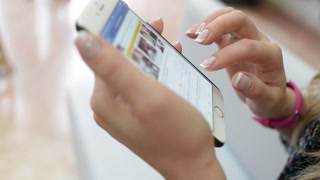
x: 156, y: 57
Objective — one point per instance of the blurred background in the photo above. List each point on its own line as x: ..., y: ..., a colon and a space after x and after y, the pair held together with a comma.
x: 39, y: 62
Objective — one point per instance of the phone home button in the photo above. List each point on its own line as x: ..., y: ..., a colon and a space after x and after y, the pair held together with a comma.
x: 218, y: 111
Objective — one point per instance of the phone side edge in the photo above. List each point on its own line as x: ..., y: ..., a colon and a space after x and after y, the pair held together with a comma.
x: 219, y: 129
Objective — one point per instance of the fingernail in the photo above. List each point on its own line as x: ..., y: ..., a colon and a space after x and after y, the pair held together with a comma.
x: 192, y: 30
x: 189, y: 31
x: 201, y: 28
x: 208, y: 62
x: 243, y: 82
x: 87, y: 45
x: 176, y: 43
x: 159, y: 18
x: 202, y: 36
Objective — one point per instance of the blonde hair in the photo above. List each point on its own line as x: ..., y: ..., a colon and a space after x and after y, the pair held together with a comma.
x: 312, y: 112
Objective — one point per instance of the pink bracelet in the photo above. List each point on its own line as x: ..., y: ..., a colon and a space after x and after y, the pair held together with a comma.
x: 286, y: 122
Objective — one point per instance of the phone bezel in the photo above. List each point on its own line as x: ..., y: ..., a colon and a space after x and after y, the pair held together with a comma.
x: 93, y: 18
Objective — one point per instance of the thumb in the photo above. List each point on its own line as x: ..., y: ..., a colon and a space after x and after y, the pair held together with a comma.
x: 242, y: 82
x: 260, y: 97
x: 115, y: 70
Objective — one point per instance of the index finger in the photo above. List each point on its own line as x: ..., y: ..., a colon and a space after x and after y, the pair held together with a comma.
x: 234, y: 22
x: 267, y: 55
x: 197, y: 28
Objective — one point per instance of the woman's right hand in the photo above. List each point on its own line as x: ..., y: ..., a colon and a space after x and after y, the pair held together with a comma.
x: 253, y: 62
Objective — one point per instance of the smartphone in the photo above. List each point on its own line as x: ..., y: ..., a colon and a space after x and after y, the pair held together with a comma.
x: 155, y: 57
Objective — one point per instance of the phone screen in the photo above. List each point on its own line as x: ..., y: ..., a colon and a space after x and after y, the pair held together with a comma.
x: 153, y: 55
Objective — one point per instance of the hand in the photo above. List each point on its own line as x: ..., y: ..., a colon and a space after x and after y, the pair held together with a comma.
x: 156, y: 124
x: 253, y: 62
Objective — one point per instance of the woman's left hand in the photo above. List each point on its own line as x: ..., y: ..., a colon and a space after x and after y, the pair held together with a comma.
x: 152, y: 121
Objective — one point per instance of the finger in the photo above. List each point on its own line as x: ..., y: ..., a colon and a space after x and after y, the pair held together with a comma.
x: 102, y: 98
x: 226, y: 40
x: 178, y: 46
x: 235, y: 22
x: 102, y: 102
x: 120, y: 75
x: 111, y: 111
x: 259, y: 96
x: 158, y: 25
x: 267, y: 56
x: 105, y: 102
x: 191, y: 32
x: 119, y: 125
x: 194, y: 31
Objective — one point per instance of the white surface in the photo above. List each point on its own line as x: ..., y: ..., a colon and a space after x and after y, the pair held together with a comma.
x: 306, y: 12
x: 101, y: 157
x: 258, y: 148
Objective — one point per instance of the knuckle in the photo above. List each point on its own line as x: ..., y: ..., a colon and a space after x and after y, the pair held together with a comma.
x: 98, y: 120
x: 99, y: 117
x: 229, y: 9
x: 251, y: 45
x: 275, y: 54
x: 276, y: 48
x: 257, y: 92
x: 239, y: 13
x: 220, y: 21
x: 155, y: 106
x: 93, y: 103
x: 96, y: 106
x: 242, y: 17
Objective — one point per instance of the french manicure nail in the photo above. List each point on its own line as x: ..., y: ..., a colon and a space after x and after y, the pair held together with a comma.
x: 189, y: 31
x: 87, y: 45
x: 192, y: 30
x: 202, y: 36
x: 243, y: 82
x: 201, y: 28
x: 176, y: 43
x: 159, y: 19
x: 208, y: 62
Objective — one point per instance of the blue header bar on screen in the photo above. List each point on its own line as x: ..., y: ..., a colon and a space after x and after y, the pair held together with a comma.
x: 114, y: 23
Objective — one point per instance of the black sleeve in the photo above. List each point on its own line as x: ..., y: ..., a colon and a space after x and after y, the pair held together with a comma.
x: 299, y: 159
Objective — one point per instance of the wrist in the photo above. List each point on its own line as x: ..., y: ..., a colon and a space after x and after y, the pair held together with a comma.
x: 293, y: 107
x: 288, y: 105
x: 205, y: 170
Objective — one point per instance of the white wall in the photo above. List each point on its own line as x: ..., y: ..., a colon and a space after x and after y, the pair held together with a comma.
x: 307, y: 12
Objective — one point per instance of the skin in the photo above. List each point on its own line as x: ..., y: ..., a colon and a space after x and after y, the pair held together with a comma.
x: 135, y: 117
x: 254, y: 55
x: 162, y: 128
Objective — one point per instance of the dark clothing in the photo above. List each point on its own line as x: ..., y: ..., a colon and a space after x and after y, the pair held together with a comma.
x: 299, y: 159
